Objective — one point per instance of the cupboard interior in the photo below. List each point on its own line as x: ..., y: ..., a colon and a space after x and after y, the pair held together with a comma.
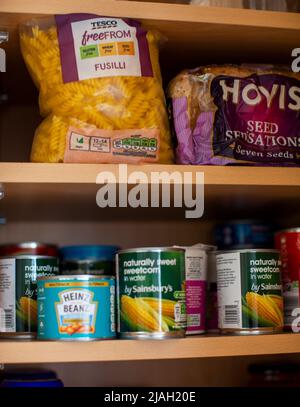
x: 58, y: 217
x: 220, y: 36
x: 231, y: 371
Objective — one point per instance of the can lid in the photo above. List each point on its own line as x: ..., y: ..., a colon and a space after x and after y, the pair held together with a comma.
x: 152, y: 249
x: 28, y: 248
x: 259, y: 222
x: 87, y: 252
x: 290, y: 230
x: 199, y: 246
x: 30, y: 375
x: 81, y: 277
x: 41, y: 383
x: 206, y: 247
x: 248, y: 250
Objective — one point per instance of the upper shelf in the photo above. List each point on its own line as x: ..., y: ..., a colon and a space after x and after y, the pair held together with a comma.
x: 195, y: 35
x: 86, y: 173
x: 156, y: 11
x: 126, y: 350
x: 68, y: 191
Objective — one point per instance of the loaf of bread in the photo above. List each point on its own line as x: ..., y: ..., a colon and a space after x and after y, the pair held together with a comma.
x: 236, y: 114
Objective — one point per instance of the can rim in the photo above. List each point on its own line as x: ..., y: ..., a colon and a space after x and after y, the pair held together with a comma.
x: 289, y: 230
x: 28, y: 245
x: 83, y: 277
x: 153, y: 249
x: 248, y: 250
x: 27, y: 256
x: 245, y: 221
x: 199, y: 246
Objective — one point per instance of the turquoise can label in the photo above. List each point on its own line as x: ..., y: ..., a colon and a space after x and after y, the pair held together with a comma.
x: 76, y: 308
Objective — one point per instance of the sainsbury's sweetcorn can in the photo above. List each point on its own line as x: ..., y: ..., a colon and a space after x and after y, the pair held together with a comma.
x: 79, y: 307
x: 20, y: 266
x: 249, y: 291
x: 151, y: 293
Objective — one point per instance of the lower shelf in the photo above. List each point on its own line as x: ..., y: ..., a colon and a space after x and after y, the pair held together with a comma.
x: 133, y: 350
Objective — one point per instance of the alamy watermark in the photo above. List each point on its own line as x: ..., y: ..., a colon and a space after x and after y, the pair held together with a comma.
x: 296, y: 61
x: 2, y: 60
x: 3, y: 38
x: 296, y: 321
x: 152, y: 189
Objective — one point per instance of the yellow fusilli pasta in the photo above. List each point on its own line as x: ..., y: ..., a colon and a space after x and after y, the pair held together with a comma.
x: 107, y: 103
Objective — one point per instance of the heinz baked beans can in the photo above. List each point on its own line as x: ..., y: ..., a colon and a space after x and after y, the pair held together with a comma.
x: 288, y: 243
x: 249, y: 291
x: 20, y: 266
x: 151, y: 293
x: 76, y: 308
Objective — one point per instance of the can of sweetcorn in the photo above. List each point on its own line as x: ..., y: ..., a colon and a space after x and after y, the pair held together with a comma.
x: 249, y: 291
x: 20, y: 266
x: 151, y: 293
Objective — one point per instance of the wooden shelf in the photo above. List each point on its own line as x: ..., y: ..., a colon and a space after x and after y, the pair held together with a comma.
x: 68, y: 192
x: 156, y: 11
x: 132, y: 350
x: 195, y: 35
x: 31, y: 173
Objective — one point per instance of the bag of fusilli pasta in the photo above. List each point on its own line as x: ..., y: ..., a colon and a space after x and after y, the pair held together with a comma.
x: 100, y: 90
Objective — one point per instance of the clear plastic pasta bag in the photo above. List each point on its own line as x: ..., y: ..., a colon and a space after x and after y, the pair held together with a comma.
x: 100, y: 90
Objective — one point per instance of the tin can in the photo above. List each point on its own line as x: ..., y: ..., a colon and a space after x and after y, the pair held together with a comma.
x: 244, y: 234
x: 76, y: 308
x: 212, y: 325
x: 151, y: 293
x: 97, y: 260
x: 196, y: 263
x: 28, y: 248
x: 288, y: 243
x: 20, y: 266
x: 30, y: 379
x: 249, y: 291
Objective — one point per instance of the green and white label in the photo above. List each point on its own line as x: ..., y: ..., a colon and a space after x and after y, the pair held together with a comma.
x: 18, y: 291
x: 249, y: 290
x: 151, y: 291
x: 7, y: 296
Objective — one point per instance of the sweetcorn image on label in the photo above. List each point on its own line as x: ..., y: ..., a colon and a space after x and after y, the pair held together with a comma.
x: 151, y: 291
x: 249, y: 290
x: 18, y: 291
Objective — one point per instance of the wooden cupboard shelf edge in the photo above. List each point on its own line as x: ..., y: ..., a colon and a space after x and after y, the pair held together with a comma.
x: 87, y: 173
x: 126, y: 350
x: 156, y: 11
